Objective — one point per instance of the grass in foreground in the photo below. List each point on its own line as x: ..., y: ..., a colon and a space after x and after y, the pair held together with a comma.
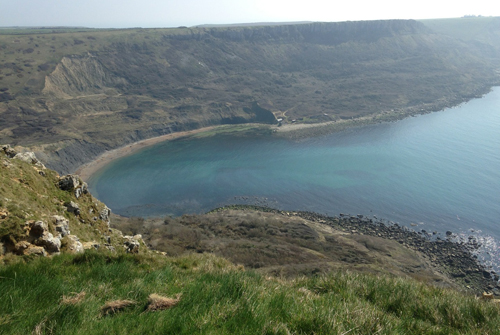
x: 67, y: 294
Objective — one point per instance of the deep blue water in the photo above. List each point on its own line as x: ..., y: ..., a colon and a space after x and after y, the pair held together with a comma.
x: 439, y: 170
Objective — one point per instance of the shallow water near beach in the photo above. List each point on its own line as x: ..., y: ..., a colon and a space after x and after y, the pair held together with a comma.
x: 438, y: 172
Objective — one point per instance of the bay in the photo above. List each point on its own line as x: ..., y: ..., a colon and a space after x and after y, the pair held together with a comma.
x: 438, y: 171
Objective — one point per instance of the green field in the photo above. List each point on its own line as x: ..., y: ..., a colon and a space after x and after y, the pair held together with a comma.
x: 66, y: 295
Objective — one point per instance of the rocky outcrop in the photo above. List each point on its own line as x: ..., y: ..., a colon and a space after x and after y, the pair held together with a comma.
x: 49, y: 242
x: 69, y: 182
x: 73, y: 207
x: 10, y: 152
x: 91, y: 245
x: 57, y: 231
x: 37, y: 251
x: 22, y: 246
x: 37, y: 229
x: 81, y: 190
x: 39, y: 240
x: 29, y: 157
x: 26, y: 248
x: 73, y: 183
x: 73, y: 245
x: 132, y: 243
x: 39, y: 235
x: 61, y: 225
x: 104, y: 214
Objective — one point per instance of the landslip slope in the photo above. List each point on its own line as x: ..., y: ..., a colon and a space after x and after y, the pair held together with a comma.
x: 290, y: 244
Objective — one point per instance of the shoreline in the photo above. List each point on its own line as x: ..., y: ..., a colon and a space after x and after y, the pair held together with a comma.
x: 87, y: 170
x: 287, y: 130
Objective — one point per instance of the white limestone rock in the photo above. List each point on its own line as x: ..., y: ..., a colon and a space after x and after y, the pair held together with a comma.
x: 74, y: 245
x: 61, y: 225
x: 73, y: 207
x: 29, y: 157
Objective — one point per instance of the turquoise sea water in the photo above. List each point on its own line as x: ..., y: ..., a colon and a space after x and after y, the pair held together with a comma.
x: 440, y: 171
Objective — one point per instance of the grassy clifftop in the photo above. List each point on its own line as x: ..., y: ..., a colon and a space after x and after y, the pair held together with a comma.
x: 73, y: 295
x: 43, y: 214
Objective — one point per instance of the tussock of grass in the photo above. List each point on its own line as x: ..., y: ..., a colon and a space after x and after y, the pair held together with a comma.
x: 73, y: 299
x: 39, y: 329
x: 157, y: 302
x: 112, y: 307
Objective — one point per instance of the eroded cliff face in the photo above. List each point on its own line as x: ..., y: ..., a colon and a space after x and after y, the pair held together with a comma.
x: 328, y: 33
x: 78, y: 76
x: 111, y: 88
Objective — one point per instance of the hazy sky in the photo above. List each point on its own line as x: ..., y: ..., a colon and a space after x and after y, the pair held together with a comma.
x: 172, y: 13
